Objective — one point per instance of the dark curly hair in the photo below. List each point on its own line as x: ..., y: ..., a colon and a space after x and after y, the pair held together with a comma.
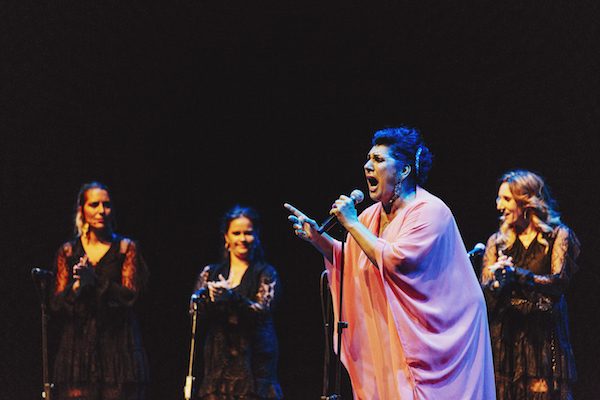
x: 407, y: 146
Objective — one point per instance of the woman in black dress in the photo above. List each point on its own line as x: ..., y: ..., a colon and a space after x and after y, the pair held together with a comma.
x: 234, y: 300
x: 99, y: 275
x: 526, y: 270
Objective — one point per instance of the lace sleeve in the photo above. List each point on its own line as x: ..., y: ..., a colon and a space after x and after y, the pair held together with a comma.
x: 133, y: 275
x: 129, y: 269
x: 268, y: 291
x: 200, y: 293
x: 62, y: 269
x: 489, y: 258
x: 64, y: 298
x: 202, y: 280
x: 564, y: 252
x: 266, y: 295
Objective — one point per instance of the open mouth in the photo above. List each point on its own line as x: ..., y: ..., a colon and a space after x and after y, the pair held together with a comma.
x: 372, y: 181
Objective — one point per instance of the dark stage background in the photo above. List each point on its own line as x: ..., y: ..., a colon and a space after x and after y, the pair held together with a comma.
x: 185, y: 107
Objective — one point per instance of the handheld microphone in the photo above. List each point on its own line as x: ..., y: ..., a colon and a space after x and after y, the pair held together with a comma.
x: 356, y: 195
x: 477, y: 250
x: 199, y: 294
x: 41, y: 273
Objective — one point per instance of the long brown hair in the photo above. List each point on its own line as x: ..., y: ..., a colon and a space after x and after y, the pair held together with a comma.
x: 532, y: 195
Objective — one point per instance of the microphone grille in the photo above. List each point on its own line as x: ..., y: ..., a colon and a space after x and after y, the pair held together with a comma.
x: 357, y: 195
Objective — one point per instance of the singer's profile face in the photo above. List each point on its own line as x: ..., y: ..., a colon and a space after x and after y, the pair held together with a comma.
x: 380, y: 171
x: 97, y: 208
x: 240, y: 237
x: 507, y: 205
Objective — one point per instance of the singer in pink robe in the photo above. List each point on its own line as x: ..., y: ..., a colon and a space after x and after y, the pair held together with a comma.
x: 417, y: 318
x: 417, y: 325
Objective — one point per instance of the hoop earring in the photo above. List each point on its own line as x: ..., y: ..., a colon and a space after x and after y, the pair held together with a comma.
x: 85, y: 229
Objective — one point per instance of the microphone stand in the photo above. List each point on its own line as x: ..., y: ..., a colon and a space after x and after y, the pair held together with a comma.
x: 41, y: 285
x: 357, y: 196
x: 341, y: 325
x: 326, y: 312
x: 189, y: 379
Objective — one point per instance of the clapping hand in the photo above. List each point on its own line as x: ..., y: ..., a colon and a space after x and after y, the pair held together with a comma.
x: 496, y: 275
x: 219, y: 290
x: 83, y: 274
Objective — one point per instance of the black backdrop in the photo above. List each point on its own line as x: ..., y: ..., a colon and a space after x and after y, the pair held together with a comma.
x: 186, y: 107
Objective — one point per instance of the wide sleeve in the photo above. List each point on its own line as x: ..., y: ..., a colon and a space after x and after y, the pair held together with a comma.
x: 269, y: 291
x: 62, y: 269
x: 564, y: 252
x: 199, y: 295
x: 133, y: 276
x: 422, y: 227
x: 490, y: 256
x: 259, y: 302
x: 264, y: 299
x: 64, y: 297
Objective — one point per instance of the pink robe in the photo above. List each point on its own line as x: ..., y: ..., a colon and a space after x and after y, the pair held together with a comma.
x: 417, y: 324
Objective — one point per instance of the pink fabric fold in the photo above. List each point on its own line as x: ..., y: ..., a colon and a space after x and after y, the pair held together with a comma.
x: 417, y: 325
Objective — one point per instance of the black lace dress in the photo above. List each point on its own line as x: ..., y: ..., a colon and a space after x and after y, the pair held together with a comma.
x: 528, y: 318
x: 100, y: 355
x: 239, y: 340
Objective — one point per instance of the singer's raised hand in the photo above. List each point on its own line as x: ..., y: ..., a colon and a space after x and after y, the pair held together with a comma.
x: 344, y: 210
x: 304, y: 227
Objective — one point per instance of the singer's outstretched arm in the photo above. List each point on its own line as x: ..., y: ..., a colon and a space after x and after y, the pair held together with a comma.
x: 307, y: 229
x: 345, y: 211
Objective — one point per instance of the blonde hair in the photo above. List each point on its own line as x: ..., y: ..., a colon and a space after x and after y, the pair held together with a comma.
x: 532, y: 195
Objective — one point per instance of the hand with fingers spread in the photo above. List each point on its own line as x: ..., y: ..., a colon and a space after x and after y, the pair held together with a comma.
x: 304, y: 227
x: 497, y: 274
x: 529, y: 261
x: 78, y: 270
x: 407, y: 281
x: 219, y: 290
x: 100, y: 275
x: 235, y: 298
